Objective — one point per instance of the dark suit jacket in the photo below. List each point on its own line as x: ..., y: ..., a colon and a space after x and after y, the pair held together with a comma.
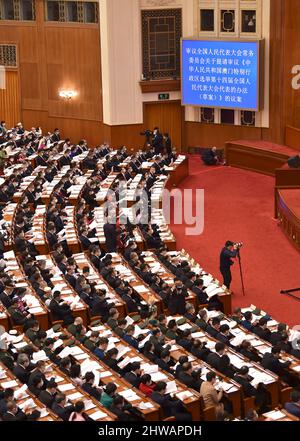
x: 46, y: 398
x: 132, y: 379
x: 214, y: 360
x: 63, y: 412
x: 110, y: 233
x: 21, y: 373
x: 61, y: 312
x: 168, y: 406
x: 225, y: 258
x: 273, y: 364
x: 293, y: 409
x: 20, y: 416
x: 6, y: 300
x: 189, y: 381
x: 92, y: 390
x: 248, y: 389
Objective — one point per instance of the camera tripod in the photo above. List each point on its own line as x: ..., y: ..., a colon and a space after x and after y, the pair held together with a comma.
x: 241, y: 271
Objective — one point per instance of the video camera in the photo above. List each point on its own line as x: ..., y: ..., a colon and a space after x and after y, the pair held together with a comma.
x: 239, y: 244
x: 147, y: 133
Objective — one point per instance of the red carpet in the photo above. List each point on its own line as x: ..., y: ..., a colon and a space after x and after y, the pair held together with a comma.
x: 239, y: 206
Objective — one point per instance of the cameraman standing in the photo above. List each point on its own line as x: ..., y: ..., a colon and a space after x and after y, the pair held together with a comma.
x: 227, y: 254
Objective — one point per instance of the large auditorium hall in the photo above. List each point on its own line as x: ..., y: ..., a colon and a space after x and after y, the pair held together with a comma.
x: 149, y: 217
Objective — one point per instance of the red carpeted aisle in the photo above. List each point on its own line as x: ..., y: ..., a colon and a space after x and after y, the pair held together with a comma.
x: 239, y: 206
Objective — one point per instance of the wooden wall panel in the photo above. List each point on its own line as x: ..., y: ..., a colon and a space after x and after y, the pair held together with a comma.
x: 168, y: 117
x: 10, y: 106
x: 292, y: 137
x: 128, y: 135
x: 73, y: 62
x: 209, y: 135
x: 53, y: 56
x: 95, y: 132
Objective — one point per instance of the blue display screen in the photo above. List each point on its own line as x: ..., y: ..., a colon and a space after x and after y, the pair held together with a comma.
x: 220, y: 74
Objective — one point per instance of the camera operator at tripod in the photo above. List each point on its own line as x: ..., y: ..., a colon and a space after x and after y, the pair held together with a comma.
x: 229, y: 252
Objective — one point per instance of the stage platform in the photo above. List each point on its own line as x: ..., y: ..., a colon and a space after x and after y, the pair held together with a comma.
x: 259, y: 156
x: 288, y: 213
x: 271, y: 159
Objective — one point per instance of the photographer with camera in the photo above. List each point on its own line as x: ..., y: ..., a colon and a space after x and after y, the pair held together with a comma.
x: 229, y: 252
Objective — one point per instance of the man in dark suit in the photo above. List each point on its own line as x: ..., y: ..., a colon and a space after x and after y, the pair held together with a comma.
x: 242, y: 377
x: 197, y: 288
x: 7, y: 295
x: 271, y: 361
x: 134, y: 376
x: 229, y: 252
x: 38, y: 371
x: 186, y: 340
x: 21, y: 370
x: 47, y: 396
x: 50, y: 352
x: 294, y: 406
x: 214, y: 359
x: 186, y: 377
x: 168, y: 144
x: 276, y: 336
x: 56, y: 136
x: 110, y: 233
x: 124, y: 411
x: 169, y: 406
x: 60, y: 310
x: 165, y: 362
x: 8, y: 395
x: 95, y: 256
x: 70, y: 276
x: 210, y: 157
x: 102, y: 347
x: 261, y: 329
x: 89, y: 387
x: 60, y: 407
x: 14, y: 413
x: 129, y: 338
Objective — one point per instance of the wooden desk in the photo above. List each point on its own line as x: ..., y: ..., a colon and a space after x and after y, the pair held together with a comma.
x: 76, y: 190
x: 34, y: 303
x: 107, y: 375
x: 192, y: 403
x: 287, y: 177
x: 180, y: 172
x: 79, y: 308
x: 4, y: 319
x: 9, y: 214
x: 224, y: 295
x: 49, y: 188
x: 136, y: 283
x: 63, y: 381
x: 71, y: 235
x: 279, y: 415
x: 82, y: 260
x: 7, y: 376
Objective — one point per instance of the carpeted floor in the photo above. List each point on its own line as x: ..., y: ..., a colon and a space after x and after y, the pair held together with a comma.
x: 239, y: 206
